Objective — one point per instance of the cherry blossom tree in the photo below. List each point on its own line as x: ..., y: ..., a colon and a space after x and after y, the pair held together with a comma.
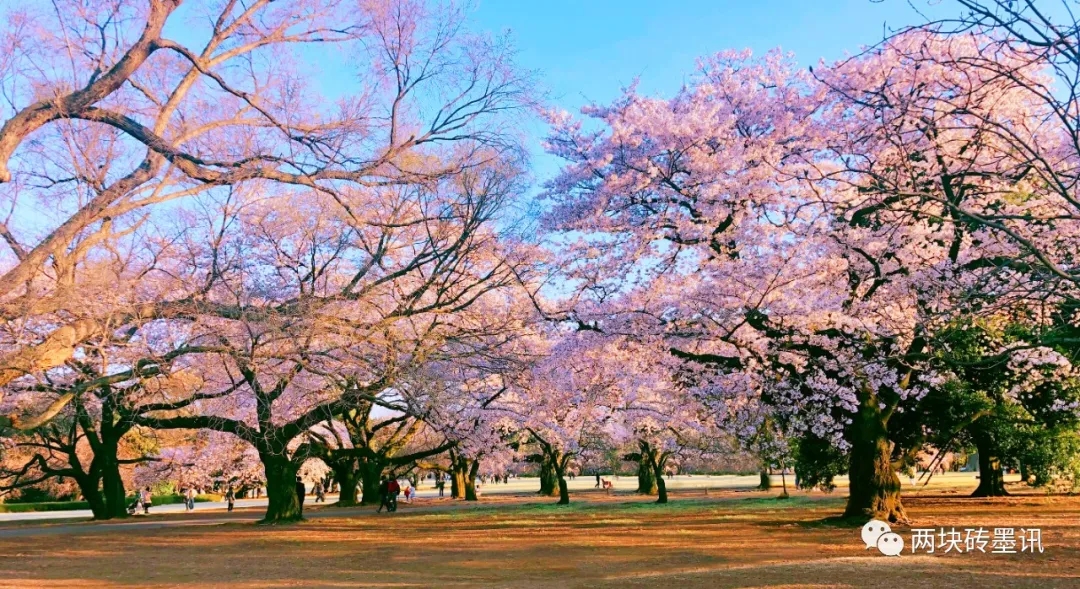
x: 707, y: 211
x: 125, y: 119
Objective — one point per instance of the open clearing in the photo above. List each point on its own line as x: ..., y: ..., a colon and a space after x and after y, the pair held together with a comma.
x: 726, y: 539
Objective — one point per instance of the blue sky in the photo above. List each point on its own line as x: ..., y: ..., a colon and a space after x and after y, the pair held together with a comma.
x: 587, y: 50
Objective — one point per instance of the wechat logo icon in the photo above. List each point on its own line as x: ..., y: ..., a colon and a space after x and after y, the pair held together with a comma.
x: 878, y: 534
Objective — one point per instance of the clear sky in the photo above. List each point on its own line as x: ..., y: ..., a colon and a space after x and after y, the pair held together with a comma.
x: 587, y: 50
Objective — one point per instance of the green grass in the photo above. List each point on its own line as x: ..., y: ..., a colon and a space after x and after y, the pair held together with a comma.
x: 43, y: 506
x: 75, y: 505
x: 173, y: 499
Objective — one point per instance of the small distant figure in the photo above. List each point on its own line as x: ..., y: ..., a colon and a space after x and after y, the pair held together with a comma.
x: 384, y: 494
x: 440, y: 484
x: 189, y: 499
x: 393, y: 489
x: 320, y: 493
x: 145, y: 498
x: 230, y: 498
x: 301, y: 492
x: 597, y: 481
x: 409, y: 493
x: 607, y: 485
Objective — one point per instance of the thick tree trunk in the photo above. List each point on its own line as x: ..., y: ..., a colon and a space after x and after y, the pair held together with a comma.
x: 564, y: 491
x: 470, y: 471
x: 347, y: 480
x: 764, y: 480
x: 89, y: 487
x: 647, y: 477
x: 874, y: 486
x: 370, y: 476
x: 661, y: 486
x: 549, y: 481
x: 112, y: 483
x: 284, y: 503
x: 991, y: 477
x: 457, y: 481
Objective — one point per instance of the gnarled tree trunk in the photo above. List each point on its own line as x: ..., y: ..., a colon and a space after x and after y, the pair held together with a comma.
x: 457, y: 483
x: 345, y: 472
x: 874, y: 486
x: 549, y: 481
x: 764, y: 480
x: 90, y: 488
x: 646, y: 477
x: 284, y: 504
x: 991, y: 476
x: 112, y: 484
x: 470, y: 471
x: 371, y: 472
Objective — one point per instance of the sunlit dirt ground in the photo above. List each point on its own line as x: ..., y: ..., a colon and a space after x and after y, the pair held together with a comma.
x: 728, y: 539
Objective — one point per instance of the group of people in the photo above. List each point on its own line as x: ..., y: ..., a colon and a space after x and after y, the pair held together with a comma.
x: 390, y: 488
x: 142, y: 501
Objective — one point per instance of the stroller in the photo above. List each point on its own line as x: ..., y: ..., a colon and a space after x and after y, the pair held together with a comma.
x: 133, y: 507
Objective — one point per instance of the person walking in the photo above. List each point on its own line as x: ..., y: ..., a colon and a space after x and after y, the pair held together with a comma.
x: 146, y: 500
x: 597, y: 480
x: 393, y: 489
x: 230, y: 498
x: 384, y: 492
x: 440, y: 484
x: 301, y: 491
x: 320, y: 493
x: 189, y: 498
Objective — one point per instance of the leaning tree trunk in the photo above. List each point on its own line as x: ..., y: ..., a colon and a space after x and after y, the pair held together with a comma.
x: 564, y: 491
x: 347, y: 480
x: 284, y: 504
x: 370, y: 476
x: 764, y: 480
x: 647, y: 477
x: 549, y: 481
x: 661, y: 486
x: 112, y: 484
x: 991, y: 477
x: 874, y: 488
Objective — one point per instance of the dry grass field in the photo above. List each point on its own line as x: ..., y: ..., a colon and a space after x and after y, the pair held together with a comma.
x: 730, y: 539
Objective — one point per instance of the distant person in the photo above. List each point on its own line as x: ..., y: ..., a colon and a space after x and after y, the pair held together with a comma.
x: 393, y: 489
x: 189, y: 499
x: 440, y: 484
x: 384, y: 495
x: 301, y: 491
x: 597, y: 481
x: 320, y: 493
x: 230, y: 498
x: 146, y: 499
x: 410, y: 492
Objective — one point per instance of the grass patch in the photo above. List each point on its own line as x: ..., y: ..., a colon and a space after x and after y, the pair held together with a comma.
x: 43, y: 506
x: 77, y: 505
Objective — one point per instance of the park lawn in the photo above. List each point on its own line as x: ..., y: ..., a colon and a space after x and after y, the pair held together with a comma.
x: 731, y: 539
